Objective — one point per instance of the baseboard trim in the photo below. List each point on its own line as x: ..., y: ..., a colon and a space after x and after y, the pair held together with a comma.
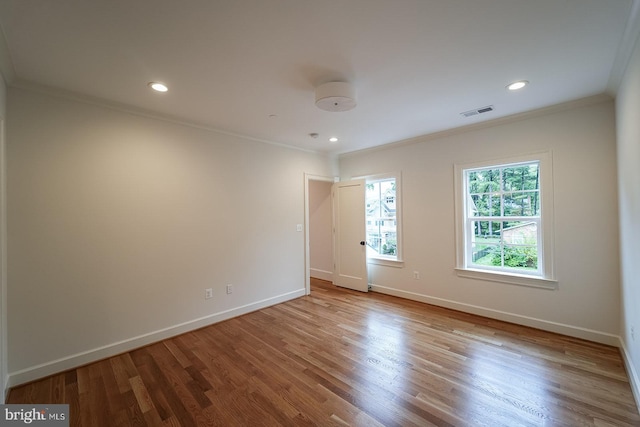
x: 321, y: 274
x: 634, y: 380
x: 560, y: 328
x: 60, y: 365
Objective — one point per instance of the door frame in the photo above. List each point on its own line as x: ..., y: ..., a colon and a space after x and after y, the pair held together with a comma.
x: 307, y: 255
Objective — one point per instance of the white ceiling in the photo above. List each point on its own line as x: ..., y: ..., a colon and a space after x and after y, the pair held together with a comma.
x: 232, y: 64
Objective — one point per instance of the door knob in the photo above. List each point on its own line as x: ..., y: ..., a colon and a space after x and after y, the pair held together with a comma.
x: 362, y: 242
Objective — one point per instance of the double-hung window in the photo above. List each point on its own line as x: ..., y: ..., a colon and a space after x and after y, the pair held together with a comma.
x: 382, y: 211
x: 504, y: 220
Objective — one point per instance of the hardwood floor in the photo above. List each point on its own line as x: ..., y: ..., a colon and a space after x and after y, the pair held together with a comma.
x: 339, y: 357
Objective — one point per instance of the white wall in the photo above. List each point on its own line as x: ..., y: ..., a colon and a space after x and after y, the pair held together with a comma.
x: 582, y: 140
x: 117, y: 223
x: 320, y: 230
x: 628, y: 131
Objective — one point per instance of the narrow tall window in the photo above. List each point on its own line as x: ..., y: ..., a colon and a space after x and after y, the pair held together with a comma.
x: 382, y: 217
x: 504, y: 217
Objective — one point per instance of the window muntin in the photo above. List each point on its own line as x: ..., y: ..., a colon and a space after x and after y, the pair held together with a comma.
x: 502, y: 218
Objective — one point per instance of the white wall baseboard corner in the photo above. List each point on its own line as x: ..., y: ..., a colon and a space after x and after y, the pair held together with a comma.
x: 560, y: 328
x: 70, y: 362
x: 634, y: 380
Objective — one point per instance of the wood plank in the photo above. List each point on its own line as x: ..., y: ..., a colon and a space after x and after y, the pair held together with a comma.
x: 338, y: 357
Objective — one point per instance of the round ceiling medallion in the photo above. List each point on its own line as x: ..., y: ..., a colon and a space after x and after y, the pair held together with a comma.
x: 335, y: 97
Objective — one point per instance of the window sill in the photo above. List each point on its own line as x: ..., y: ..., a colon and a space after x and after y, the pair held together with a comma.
x: 512, y: 279
x: 386, y: 262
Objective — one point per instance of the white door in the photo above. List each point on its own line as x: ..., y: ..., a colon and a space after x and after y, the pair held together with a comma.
x: 350, y: 250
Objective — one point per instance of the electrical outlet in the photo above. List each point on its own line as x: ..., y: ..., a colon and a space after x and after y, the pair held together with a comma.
x: 229, y: 289
x: 208, y: 293
x: 416, y: 275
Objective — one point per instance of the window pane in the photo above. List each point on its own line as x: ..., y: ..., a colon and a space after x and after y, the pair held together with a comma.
x: 373, y: 241
x: 484, y: 181
x: 486, y: 205
x: 524, y: 257
x: 520, y: 233
x: 483, y: 253
x: 524, y: 203
x: 388, y: 199
x: 372, y: 197
x: 521, y: 178
x: 388, y: 243
x: 486, y: 231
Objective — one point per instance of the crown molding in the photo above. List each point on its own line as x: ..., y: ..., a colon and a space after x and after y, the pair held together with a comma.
x: 629, y: 39
x: 141, y: 112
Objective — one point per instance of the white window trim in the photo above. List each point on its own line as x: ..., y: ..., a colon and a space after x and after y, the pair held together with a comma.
x: 381, y: 259
x: 547, y: 278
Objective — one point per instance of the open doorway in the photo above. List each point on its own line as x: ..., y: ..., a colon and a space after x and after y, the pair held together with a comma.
x: 319, y: 229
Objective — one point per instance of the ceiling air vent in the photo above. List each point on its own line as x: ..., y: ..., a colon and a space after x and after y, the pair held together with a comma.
x: 477, y: 111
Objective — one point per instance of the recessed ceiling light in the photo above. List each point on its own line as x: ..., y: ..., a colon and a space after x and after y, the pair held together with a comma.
x: 517, y: 85
x: 158, y: 87
x: 333, y: 139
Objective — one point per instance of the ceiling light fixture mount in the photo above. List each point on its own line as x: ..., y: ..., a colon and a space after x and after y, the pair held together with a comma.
x: 517, y: 85
x: 335, y: 97
x: 158, y: 87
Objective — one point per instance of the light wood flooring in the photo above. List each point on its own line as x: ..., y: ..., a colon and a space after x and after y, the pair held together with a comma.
x: 340, y: 358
